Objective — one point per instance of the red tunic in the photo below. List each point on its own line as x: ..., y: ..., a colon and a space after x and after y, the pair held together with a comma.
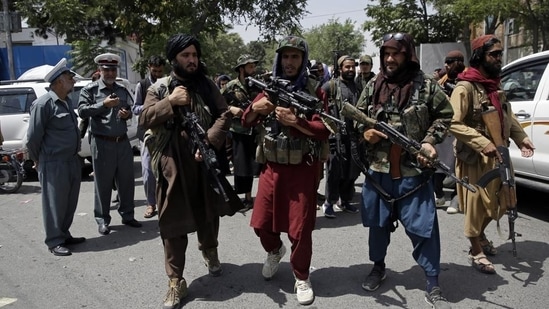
x: 286, y: 198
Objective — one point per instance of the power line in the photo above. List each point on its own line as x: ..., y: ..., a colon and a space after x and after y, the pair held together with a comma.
x: 332, y: 14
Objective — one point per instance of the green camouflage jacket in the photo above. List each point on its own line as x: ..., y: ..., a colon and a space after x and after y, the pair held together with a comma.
x: 425, y: 118
x: 237, y: 94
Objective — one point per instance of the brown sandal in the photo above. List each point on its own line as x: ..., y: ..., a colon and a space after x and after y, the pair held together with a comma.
x: 149, y: 212
x: 481, y: 263
x: 487, y: 246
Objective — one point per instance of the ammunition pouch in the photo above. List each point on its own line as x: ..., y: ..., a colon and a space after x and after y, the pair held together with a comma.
x: 269, y: 148
x: 415, y: 120
x: 283, y: 149
x: 465, y: 153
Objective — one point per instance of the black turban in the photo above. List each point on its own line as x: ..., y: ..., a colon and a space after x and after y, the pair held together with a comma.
x: 180, y: 41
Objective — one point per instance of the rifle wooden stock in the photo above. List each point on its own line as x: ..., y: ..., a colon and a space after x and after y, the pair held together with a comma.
x: 507, y: 192
x: 493, y: 125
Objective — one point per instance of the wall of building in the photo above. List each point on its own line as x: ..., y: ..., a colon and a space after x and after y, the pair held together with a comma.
x: 31, y: 50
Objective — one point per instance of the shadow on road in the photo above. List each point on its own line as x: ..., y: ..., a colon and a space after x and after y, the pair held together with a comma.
x: 459, y: 282
x: 120, y: 236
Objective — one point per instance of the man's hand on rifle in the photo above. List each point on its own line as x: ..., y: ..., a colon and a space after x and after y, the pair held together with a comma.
x: 263, y: 106
x: 236, y: 111
x: 198, y: 156
x: 179, y: 96
x: 286, y: 116
x: 527, y: 148
x: 491, y: 151
x: 373, y: 136
x: 428, y: 149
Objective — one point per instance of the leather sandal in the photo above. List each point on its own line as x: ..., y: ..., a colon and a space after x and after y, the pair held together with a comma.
x: 149, y: 212
x: 481, y: 263
x: 487, y: 246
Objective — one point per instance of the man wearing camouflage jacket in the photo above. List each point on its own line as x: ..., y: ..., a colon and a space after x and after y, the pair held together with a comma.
x: 405, y: 98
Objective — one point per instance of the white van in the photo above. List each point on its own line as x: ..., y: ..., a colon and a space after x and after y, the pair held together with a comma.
x: 526, y: 84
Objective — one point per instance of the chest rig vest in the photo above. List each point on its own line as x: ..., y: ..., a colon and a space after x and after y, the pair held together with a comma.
x: 479, y: 103
x: 281, y: 147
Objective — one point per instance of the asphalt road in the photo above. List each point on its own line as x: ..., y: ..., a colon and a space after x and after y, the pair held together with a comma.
x: 126, y: 268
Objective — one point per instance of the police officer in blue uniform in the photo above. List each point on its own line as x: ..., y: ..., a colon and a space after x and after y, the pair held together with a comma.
x: 108, y: 104
x: 53, y: 142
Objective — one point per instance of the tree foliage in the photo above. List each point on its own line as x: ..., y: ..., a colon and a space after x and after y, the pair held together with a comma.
x: 413, y: 17
x: 432, y: 21
x: 221, y: 53
x: 151, y: 21
x: 333, y: 36
x: 534, y: 16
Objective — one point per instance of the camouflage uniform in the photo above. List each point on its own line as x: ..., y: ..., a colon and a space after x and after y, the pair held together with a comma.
x: 414, y: 104
x: 431, y: 99
x: 242, y: 140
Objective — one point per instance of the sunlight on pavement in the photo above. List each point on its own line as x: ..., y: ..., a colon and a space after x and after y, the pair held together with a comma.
x: 6, y: 301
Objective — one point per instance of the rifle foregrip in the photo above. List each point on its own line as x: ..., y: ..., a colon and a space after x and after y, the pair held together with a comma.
x: 351, y: 112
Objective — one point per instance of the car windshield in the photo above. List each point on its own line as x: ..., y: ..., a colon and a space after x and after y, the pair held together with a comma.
x: 522, y: 84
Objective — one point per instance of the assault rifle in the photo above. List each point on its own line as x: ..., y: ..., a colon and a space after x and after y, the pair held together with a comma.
x: 503, y: 171
x: 278, y: 92
x: 231, y: 97
x: 410, y: 145
x: 197, y: 135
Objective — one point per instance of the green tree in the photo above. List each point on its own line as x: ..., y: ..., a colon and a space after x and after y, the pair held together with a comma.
x: 534, y: 16
x: 150, y: 21
x: 221, y: 52
x: 418, y: 18
x: 323, y: 40
x: 404, y: 16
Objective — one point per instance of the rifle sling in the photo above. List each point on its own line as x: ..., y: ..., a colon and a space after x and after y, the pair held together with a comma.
x: 386, y: 196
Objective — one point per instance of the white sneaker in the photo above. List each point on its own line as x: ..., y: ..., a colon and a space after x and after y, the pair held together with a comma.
x: 454, y: 206
x: 304, y: 292
x: 272, y: 262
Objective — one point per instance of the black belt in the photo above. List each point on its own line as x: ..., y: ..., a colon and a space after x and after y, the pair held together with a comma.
x: 115, y: 139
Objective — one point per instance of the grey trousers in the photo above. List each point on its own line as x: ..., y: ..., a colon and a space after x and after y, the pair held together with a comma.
x: 60, y: 182
x: 113, y: 162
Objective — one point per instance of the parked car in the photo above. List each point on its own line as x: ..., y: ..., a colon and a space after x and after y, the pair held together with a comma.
x: 526, y: 84
x: 16, y: 98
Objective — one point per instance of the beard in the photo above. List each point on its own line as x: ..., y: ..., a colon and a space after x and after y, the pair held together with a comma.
x: 492, y: 69
x: 396, y: 72
x: 348, y: 76
x: 182, y: 72
x: 246, y: 74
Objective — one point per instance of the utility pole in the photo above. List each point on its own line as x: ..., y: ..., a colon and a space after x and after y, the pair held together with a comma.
x: 7, y: 28
x: 505, y: 40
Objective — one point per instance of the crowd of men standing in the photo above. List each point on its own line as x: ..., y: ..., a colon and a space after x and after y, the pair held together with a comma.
x: 288, y: 147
